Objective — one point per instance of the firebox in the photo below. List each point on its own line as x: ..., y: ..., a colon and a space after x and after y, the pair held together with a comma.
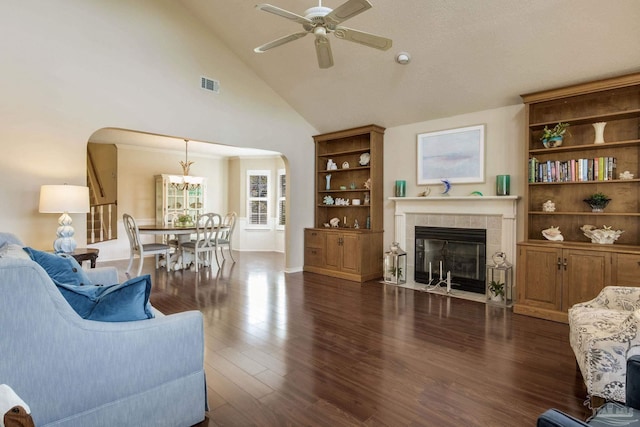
x: 462, y: 251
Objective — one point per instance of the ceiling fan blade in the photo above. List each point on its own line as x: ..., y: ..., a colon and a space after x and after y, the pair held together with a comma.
x: 283, y: 13
x: 346, y: 11
x: 361, y: 37
x: 280, y: 41
x: 323, y: 50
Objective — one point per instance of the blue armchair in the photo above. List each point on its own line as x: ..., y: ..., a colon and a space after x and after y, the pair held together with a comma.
x: 611, y: 413
x: 77, y: 372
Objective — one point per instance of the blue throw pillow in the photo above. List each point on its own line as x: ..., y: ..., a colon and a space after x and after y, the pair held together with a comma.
x: 62, y: 268
x: 124, y: 302
x: 82, y: 299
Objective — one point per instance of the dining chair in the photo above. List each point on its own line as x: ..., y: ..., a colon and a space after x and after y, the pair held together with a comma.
x: 142, y: 249
x: 207, y: 228
x: 226, y: 232
x: 170, y: 239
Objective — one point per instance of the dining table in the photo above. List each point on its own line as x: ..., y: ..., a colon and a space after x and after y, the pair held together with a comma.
x: 179, y: 259
x: 183, y: 235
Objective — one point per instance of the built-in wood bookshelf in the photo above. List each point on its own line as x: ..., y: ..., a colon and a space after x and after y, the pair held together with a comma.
x: 552, y: 276
x: 353, y: 250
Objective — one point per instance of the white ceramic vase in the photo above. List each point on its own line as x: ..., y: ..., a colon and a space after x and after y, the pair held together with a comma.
x: 599, y: 127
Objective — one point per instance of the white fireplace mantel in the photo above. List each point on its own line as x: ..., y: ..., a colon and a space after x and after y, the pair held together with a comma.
x: 502, y: 206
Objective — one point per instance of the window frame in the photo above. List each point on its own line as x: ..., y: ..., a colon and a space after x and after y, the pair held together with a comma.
x: 280, y: 199
x: 266, y: 199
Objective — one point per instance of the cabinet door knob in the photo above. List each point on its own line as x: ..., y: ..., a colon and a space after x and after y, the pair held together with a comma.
x: 559, y: 263
x: 565, y: 264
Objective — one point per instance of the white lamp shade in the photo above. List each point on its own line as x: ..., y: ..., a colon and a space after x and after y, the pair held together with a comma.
x: 64, y: 198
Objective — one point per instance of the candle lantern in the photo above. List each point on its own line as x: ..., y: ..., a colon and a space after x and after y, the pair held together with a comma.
x: 395, y: 265
x: 500, y: 282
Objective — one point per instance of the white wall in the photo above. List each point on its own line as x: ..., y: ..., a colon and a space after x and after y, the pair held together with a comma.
x: 74, y: 67
x: 504, y: 154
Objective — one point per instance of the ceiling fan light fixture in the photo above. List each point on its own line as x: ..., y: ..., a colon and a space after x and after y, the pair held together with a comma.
x: 321, y: 22
x: 320, y: 31
x: 403, y: 58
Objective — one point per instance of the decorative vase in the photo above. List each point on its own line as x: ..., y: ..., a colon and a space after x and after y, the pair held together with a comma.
x: 555, y: 141
x: 599, y: 127
x: 502, y: 185
x: 328, y: 177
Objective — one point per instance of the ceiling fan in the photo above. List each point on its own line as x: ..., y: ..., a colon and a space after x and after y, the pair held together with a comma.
x: 322, y: 21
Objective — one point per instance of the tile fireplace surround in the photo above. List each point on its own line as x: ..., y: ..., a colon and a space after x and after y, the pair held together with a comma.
x: 496, y: 214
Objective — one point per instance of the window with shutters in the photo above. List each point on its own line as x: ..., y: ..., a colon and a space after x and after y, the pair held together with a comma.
x: 258, y: 198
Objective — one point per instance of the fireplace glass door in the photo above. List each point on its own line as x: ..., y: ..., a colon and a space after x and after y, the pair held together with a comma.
x: 462, y: 251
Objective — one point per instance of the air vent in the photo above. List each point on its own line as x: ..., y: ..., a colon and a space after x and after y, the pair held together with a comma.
x: 210, y: 84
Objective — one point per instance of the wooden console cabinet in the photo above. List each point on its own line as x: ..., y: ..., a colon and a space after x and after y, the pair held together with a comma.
x: 346, y: 251
x: 347, y: 254
x: 552, y: 276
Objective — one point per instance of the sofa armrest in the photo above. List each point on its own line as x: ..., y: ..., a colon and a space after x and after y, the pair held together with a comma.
x: 621, y: 298
x: 103, y: 275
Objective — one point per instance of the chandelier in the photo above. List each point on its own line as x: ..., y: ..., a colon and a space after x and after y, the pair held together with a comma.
x: 187, y: 182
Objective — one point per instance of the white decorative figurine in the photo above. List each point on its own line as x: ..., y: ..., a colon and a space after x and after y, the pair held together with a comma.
x: 625, y: 175
x: 553, y: 233
x: 335, y: 222
x: 603, y: 236
x: 365, y: 158
x: 331, y: 165
x: 548, y: 206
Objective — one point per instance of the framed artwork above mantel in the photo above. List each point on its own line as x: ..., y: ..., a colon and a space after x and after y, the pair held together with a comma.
x: 456, y: 155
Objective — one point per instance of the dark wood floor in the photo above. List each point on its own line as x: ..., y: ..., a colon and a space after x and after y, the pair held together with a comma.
x: 307, y: 350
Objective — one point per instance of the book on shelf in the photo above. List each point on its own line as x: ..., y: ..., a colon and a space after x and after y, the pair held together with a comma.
x: 574, y: 170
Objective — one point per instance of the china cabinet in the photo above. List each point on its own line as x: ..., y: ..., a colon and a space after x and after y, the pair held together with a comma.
x: 593, y: 158
x: 179, y: 195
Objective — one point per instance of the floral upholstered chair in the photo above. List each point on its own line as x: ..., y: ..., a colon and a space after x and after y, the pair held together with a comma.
x: 603, y: 335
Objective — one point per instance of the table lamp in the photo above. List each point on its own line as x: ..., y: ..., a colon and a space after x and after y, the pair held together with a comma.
x: 64, y: 199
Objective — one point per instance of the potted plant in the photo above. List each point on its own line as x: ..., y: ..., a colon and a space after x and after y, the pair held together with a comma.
x: 496, y: 289
x: 597, y: 201
x: 552, y: 137
x: 396, y: 272
x: 184, y: 221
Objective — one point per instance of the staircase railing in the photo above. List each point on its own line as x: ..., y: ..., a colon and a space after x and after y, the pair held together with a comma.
x: 102, y: 222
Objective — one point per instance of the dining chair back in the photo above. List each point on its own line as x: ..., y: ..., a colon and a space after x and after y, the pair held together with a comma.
x: 225, y: 235
x: 141, y: 249
x: 205, y: 243
x: 171, y: 218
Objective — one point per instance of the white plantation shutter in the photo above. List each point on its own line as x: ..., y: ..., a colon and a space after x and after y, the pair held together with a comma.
x: 282, y: 201
x: 258, y: 197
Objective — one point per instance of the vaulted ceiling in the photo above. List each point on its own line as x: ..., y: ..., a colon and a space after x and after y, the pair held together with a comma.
x: 466, y: 55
